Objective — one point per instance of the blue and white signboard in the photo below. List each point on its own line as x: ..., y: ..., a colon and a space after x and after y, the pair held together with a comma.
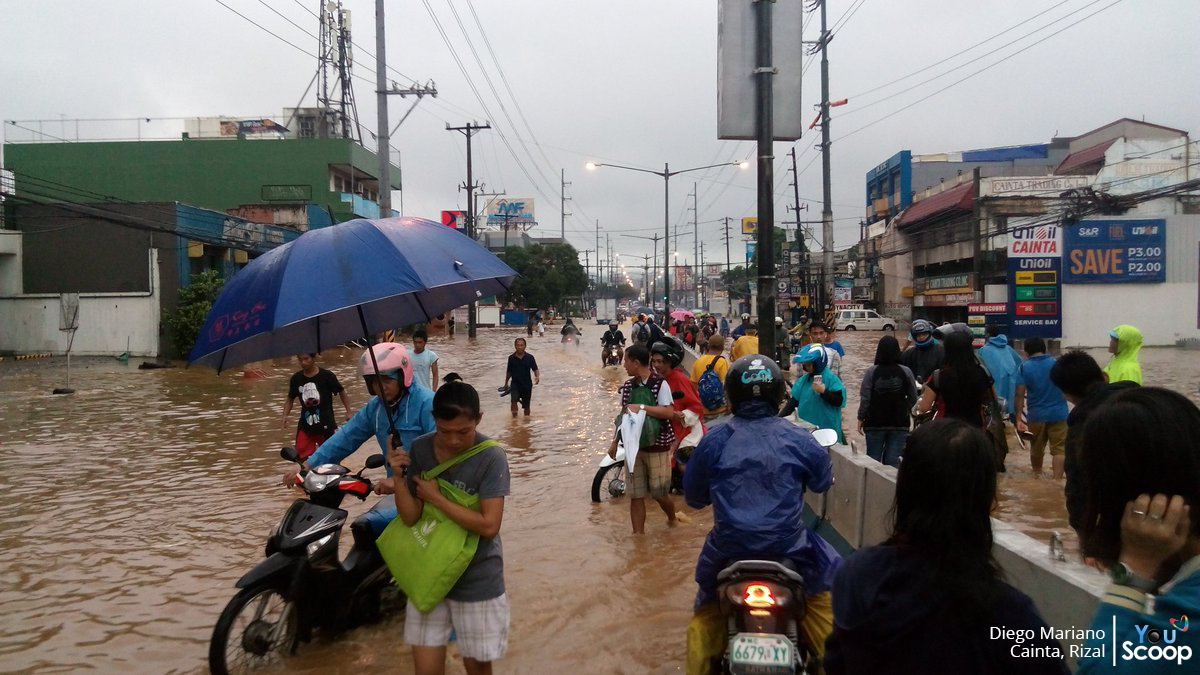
x: 1116, y: 251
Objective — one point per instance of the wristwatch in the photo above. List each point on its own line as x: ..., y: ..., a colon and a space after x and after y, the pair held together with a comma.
x: 1123, y: 576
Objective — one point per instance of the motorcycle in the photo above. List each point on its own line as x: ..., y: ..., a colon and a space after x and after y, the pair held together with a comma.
x: 609, y: 481
x: 762, y: 602
x: 919, y: 417
x: 570, y: 338
x: 612, y: 356
x: 301, y: 585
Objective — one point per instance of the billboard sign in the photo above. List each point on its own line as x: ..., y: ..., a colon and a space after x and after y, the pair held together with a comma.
x: 750, y: 226
x: 1116, y: 252
x: 455, y: 219
x: 735, y: 69
x: 510, y: 213
x: 751, y: 247
x: 1035, y: 281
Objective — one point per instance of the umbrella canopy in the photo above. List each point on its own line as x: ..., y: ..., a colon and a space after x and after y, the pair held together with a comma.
x: 682, y: 315
x: 344, y: 282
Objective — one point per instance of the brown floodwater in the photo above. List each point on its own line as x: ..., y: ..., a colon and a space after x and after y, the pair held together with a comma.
x: 132, y: 507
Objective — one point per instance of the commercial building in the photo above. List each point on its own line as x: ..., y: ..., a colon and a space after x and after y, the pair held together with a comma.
x: 990, y: 231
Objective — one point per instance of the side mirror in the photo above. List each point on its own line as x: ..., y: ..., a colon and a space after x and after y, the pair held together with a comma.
x: 289, y: 453
x: 375, y: 461
x: 826, y: 437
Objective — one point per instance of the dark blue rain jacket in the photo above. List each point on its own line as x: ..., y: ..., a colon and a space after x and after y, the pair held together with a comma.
x: 754, y: 470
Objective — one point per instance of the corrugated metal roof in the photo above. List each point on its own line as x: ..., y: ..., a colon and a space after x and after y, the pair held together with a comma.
x: 960, y: 198
x: 1077, y: 160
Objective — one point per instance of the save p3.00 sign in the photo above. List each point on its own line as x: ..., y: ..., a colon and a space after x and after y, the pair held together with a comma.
x: 1116, y: 251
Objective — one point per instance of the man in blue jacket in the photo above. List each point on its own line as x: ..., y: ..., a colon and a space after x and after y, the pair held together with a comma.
x: 1004, y: 365
x: 754, y: 470
x: 399, y: 413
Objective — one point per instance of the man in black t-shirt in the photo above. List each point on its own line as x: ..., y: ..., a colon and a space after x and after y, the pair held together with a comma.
x: 315, y: 387
x: 522, y: 373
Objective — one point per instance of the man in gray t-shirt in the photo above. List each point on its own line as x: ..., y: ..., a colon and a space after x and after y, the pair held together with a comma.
x: 486, y: 476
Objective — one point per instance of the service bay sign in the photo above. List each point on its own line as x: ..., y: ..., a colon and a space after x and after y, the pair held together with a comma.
x: 1034, y: 281
x: 1116, y: 252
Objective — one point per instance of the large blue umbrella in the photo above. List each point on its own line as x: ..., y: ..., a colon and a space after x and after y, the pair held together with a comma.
x: 345, y: 282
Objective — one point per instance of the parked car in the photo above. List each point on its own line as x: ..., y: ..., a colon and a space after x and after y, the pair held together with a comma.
x: 862, y: 319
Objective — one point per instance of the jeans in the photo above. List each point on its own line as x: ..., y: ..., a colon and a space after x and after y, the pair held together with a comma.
x: 886, y: 445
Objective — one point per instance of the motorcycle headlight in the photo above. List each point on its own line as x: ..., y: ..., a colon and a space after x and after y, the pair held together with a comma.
x: 314, y: 546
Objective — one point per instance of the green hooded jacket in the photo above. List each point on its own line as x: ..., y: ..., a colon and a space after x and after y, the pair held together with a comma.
x: 1124, y: 366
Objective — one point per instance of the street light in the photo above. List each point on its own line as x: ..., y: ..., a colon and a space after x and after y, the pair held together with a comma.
x: 666, y: 174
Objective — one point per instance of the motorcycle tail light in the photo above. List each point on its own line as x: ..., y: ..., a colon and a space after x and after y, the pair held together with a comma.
x: 759, y: 595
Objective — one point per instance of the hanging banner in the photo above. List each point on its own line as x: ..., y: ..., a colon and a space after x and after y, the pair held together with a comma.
x: 751, y: 247
x: 1116, y: 252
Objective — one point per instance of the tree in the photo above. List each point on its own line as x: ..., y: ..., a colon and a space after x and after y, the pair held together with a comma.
x: 195, y: 300
x: 548, y: 273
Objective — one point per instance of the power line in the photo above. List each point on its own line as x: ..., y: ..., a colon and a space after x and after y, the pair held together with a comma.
x: 959, y: 53
x: 988, y: 67
x: 859, y: 108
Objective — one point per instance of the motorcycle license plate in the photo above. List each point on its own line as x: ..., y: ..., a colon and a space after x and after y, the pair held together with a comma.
x: 761, y: 654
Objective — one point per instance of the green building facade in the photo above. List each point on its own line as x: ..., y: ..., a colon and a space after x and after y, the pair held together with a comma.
x: 336, y: 178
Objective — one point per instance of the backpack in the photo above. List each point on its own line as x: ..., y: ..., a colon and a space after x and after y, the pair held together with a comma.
x: 640, y: 333
x: 712, y: 390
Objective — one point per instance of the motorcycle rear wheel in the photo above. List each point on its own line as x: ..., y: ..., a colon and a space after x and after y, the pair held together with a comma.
x: 256, y: 629
x: 609, y: 482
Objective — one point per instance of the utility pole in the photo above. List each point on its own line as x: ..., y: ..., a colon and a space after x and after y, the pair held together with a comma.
x: 728, y: 268
x: 468, y: 130
x: 562, y: 210
x: 597, y: 252
x: 702, y: 300
x: 763, y: 72
x: 656, y: 238
x: 382, y: 91
x: 587, y: 264
x: 695, y: 248
x: 827, y: 196
x: 803, y: 247
x: 609, y: 259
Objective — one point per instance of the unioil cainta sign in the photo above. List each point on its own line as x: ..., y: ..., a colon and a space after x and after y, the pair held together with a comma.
x: 1034, y: 281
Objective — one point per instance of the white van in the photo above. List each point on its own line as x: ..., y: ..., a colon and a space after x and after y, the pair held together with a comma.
x: 861, y: 319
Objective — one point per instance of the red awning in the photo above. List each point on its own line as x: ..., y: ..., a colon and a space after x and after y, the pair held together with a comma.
x: 959, y: 198
x: 1078, y: 160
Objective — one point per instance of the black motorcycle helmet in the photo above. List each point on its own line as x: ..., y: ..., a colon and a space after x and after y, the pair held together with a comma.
x: 671, y: 350
x: 755, y: 377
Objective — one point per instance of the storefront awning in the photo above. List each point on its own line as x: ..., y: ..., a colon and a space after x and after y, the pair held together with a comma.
x: 960, y: 198
x: 1078, y: 160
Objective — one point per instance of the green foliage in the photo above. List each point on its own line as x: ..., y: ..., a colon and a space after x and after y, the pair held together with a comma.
x: 737, y: 281
x: 194, y: 303
x: 549, y: 273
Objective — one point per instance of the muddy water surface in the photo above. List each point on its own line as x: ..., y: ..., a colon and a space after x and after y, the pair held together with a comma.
x: 131, y: 508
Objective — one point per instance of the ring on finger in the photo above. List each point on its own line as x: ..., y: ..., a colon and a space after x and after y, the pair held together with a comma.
x: 1139, y: 513
x: 1154, y: 517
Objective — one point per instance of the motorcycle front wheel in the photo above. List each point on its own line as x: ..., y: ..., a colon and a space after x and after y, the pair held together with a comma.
x: 609, y: 482
x: 257, y: 629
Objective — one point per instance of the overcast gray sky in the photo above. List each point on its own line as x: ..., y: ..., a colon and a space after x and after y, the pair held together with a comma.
x: 626, y: 81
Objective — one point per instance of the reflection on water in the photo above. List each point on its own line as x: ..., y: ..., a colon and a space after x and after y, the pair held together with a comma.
x: 133, y: 506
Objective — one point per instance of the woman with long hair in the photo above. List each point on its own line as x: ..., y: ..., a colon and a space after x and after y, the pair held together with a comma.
x: 1140, y: 460
x: 961, y: 388
x: 886, y: 399
x: 926, y: 600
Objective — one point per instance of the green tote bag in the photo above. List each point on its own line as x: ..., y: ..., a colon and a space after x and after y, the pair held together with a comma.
x: 428, y: 557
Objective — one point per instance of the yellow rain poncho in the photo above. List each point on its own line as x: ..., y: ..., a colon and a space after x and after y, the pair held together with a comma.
x: 1124, y: 366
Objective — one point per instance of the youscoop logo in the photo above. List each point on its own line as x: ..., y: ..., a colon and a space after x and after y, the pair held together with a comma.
x: 1153, y: 651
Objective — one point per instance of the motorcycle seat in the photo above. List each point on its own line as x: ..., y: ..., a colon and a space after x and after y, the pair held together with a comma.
x: 780, y: 567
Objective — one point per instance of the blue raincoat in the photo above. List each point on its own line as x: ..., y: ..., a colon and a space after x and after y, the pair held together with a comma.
x: 1004, y: 365
x: 413, y: 417
x: 754, y: 470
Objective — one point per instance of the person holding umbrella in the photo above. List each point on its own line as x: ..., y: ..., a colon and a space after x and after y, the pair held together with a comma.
x: 396, y: 416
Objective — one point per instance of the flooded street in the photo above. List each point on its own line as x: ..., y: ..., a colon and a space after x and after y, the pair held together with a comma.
x: 133, y: 506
